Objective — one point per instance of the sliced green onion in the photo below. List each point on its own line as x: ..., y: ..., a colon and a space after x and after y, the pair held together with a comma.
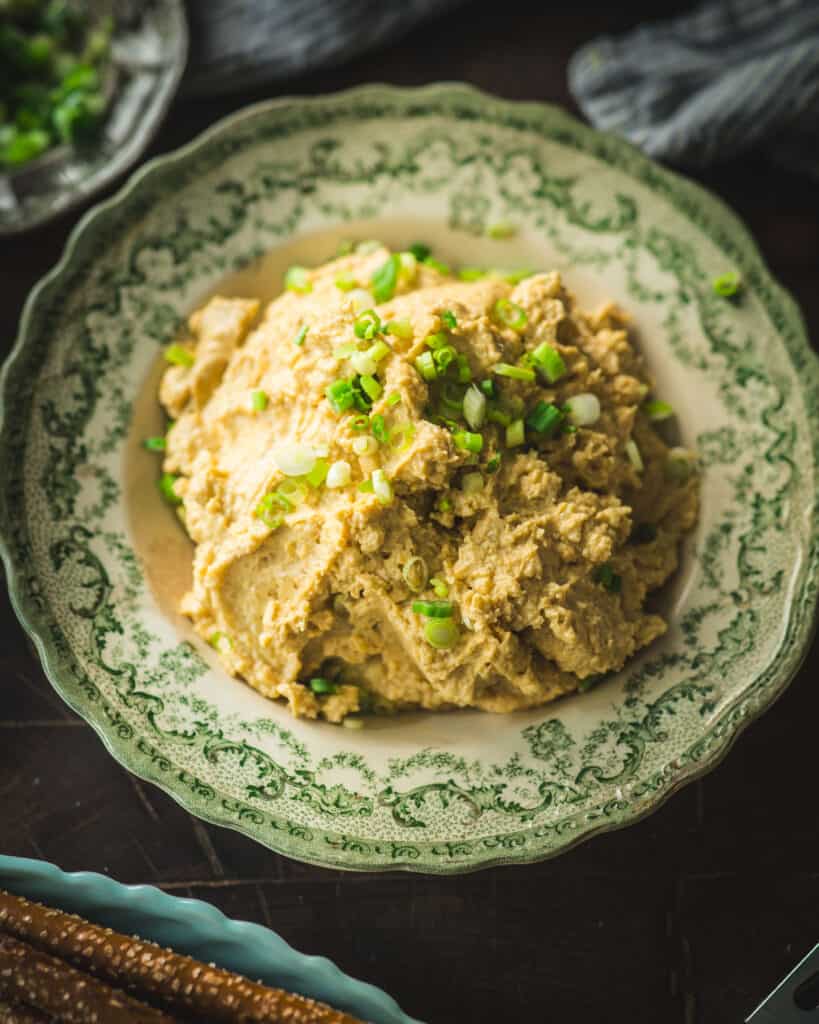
x: 363, y: 364
x: 361, y: 299
x: 366, y: 486
x: 420, y: 251
x: 495, y: 415
x: 401, y: 436
x: 401, y: 328
x: 340, y: 395
x: 442, y: 268
x: 513, y: 372
x: 365, y: 445
x: 293, y: 490
x: 277, y: 498
x: 372, y: 389
x: 516, y: 276
x: 219, y: 641
x: 583, y: 410
x: 437, y: 341
x: 361, y: 399
x: 380, y: 350
x: 509, y: 314
x: 467, y: 441
x: 393, y: 398
x: 471, y: 273
x: 385, y: 279
x: 367, y: 324
x: 258, y: 401
x: 657, y: 410
x: 318, y: 474
x: 379, y: 428
x: 444, y: 357
x: 607, y: 578
x: 271, y: 517
x: 441, y: 633
x: 680, y: 464
x: 301, y: 335
x: 439, y: 587
x: 166, y: 488
x: 294, y: 459
x: 322, y: 686
x: 339, y: 474
x: 474, y: 407
x: 550, y: 362
x: 408, y: 269
x: 368, y: 246
x: 382, y: 488
x: 179, y: 355
x: 634, y: 456
x: 449, y: 320
x: 452, y: 396
x: 425, y: 365
x: 444, y: 505
x: 493, y: 464
x: 155, y: 444
x: 359, y: 422
x: 727, y: 285
x: 346, y: 350
x: 515, y: 434
x: 297, y: 279
x: 545, y: 418
x: 503, y: 229
x: 472, y: 483
x: 345, y: 282
x: 415, y: 574
x: 433, y: 609
x: 488, y: 388
x: 464, y: 371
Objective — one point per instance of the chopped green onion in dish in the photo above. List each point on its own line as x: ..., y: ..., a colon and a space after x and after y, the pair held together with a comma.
x: 368, y: 246
x: 359, y: 422
x: 346, y: 350
x: 363, y: 363
x: 339, y: 474
x: 499, y: 416
x: 472, y: 483
x: 516, y: 276
x: 415, y: 574
x: 442, y: 268
x: 301, y: 334
x: 293, y: 490
x: 467, y: 441
x: 297, y: 279
x: 437, y: 341
x: 515, y: 434
x: 166, y: 488
x: 345, y: 282
x: 340, y: 395
x: 365, y: 445
x: 634, y: 455
x: 280, y: 499
x: 270, y: 516
x: 361, y: 299
x: 382, y: 488
x: 295, y: 458
x: 393, y: 398
x: 155, y: 444
x: 258, y: 401
x: 385, y: 279
x: 439, y: 587
x: 474, y: 406
x: 420, y: 251
x: 401, y: 436
x: 322, y: 687
x: 408, y: 267
x: 425, y: 365
x: 550, y: 362
x: 400, y: 328
x: 379, y: 428
x: 378, y: 351
x: 433, y: 609
x: 471, y: 274
x: 367, y: 324
x: 607, y: 578
x: 444, y: 357
x: 658, y: 411
x: 464, y: 371
x: 366, y: 486
x: 501, y: 230
x: 493, y: 463
x: 449, y: 320
x: 370, y: 386
x: 488, y: 388
x: 509, y: 314
x: 545, y: 418
x: 219, y: 641
x: 444, y: 505
x: 441, y: 633
x: 178, y: 355
x: 318, y: 474
x: 727, y: 285
x: 514, y: 372
x: 583, y: 410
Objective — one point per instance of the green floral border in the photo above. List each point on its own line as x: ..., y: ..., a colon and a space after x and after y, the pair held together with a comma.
x: 548, y: 742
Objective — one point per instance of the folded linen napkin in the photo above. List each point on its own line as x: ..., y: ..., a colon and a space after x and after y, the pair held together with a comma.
x: 732, y: 76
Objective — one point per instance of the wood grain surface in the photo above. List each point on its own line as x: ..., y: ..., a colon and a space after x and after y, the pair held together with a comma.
x: 689, y: 917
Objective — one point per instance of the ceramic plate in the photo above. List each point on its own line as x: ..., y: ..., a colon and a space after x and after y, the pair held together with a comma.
x: 198, y: 930
x: 95, y: 561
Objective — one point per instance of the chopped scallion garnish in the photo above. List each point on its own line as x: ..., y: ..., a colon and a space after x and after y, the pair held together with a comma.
x: 359, y: 422
x: 385, y: 279
x: 439, y: 587
x: 444, y: 505
x: 471, y: 273
x: 493, y: 463
x: 401, y: 436
x: 433, y: 609
x: 425, y: 365
x: 550, y: 362
x: 474, y: 407
x: 301, y: 335
x: 219, y: 641
x: 545, y: 418
x: 514, y: 372
x: 318, y: 474
x: 442, y: 268
x: 415, y: 574
x: 467, y: 441
x: 270, y: 516
x: 464, y: 371
x: 420, y: 251
x: 363, y: 363
x: 382, y: 488
x: 393, y: 398
x: 365, y: 445
x: 370, y: 386
x: 345, y: 282
x: 437, y: 341
x: 322, y: 687
x: 379, y: 428
x: 339, y: 474
x: 367, y: 324
x: 400, y: 329
x: 516, y: 276
x: 380, y: 350
x: 509, y: 314
x: 515, y: 434
x: 340, y: 395
x: 495, y: 415
x: 634, y: 456
x: 444, y: 356
x: 155, y: 444
x: 441, y: 633
x: 583, y: 410
x: 258, y: 401
x: 657, y: 410
x: 179, y: 355
x: 166, y: 488
x: 727, y: 285
x: 488, y: 388
x: 297, y: 279
x: 449, y: 320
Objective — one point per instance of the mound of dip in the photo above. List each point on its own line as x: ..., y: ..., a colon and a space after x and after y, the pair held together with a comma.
x: 412, y: 487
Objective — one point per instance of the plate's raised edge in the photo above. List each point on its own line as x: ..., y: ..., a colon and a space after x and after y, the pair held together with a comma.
x: 130, y: 151
x: 731, y: 227
x: 321, y: 977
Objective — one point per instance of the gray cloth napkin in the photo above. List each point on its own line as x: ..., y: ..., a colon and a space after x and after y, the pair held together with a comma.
x: 732, y: 76
x: 237, y: 44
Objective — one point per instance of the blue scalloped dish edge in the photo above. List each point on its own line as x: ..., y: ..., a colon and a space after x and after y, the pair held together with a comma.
x: 200, y: 930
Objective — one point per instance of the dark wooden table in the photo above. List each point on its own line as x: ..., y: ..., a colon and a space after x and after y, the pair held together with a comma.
x: 690, y: 916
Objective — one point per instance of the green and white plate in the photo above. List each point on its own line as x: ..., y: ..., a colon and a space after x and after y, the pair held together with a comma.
x: 95, y: 561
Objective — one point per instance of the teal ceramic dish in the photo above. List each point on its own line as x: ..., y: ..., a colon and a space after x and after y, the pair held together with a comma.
x: 198, y: 930
x: 90, y: 548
